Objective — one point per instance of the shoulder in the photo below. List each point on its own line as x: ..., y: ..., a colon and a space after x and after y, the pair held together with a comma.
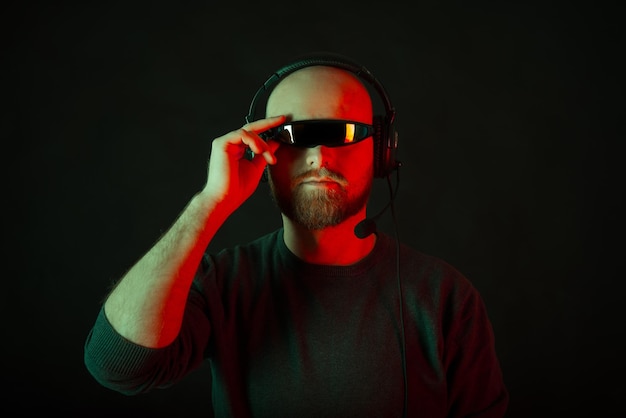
x: 242, y: 260
x: 434, y: 288
x: 426, y: 274
x: 258, y: 248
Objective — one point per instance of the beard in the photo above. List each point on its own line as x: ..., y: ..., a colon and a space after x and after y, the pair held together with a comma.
x: 318, y: 208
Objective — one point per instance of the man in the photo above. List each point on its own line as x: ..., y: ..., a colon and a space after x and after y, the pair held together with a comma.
x: 310, y: 320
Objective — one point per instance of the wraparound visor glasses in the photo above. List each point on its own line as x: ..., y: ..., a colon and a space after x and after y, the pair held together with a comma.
x: 327, y: 132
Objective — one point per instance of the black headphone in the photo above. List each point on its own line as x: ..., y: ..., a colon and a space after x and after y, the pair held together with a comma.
x: 385, y: 136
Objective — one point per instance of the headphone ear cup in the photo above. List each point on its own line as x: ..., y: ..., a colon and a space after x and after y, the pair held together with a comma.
x: 380, y: 149
x: 385, y: 144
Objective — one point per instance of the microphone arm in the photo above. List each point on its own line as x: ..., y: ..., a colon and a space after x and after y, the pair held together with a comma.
x: 367, y: 226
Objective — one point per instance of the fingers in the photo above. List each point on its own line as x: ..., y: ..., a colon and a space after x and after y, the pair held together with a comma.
x: 231, y: 174
x: 257, y: 146
x: 267, y: 154
x: 248, y: 135
x: 262, y: 125
x: 242, y: 154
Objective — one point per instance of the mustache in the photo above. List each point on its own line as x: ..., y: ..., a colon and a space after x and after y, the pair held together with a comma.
x: 319, y: 172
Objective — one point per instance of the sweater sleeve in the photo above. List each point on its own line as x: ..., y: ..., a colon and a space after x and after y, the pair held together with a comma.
x: 116, y: 362
x: 476, y: 386
x: 129, y: 368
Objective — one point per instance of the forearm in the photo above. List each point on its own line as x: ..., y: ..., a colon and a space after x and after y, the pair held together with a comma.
x: 148, y: 303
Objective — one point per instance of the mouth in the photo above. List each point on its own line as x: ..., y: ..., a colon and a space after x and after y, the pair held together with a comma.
x: 320, y: 178
x: 320, y: 181
x: 320, y: 184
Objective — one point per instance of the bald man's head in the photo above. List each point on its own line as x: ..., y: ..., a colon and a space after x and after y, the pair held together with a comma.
x: 321, y: 92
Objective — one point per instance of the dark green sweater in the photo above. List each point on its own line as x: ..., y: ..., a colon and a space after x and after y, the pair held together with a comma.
x: 289, y: 339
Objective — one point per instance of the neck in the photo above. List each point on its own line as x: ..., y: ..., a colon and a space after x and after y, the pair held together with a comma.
x: 336, y: 245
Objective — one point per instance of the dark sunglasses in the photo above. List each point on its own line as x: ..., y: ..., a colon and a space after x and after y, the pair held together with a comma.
x: 328, y: 132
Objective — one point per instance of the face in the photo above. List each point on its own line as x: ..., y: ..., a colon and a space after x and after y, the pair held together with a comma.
x: 322, y: 186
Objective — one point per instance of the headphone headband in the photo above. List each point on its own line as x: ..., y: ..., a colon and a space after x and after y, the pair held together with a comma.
x: 331, y: 60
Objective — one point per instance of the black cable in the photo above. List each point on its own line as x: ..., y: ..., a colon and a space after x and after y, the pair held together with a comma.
x: 364, y: 229
x: 400, y: 295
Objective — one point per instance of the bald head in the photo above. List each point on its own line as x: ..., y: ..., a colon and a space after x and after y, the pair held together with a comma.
x: 321, y: 92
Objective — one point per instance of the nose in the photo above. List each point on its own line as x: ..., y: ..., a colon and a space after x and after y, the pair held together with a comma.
x: 317, y: 157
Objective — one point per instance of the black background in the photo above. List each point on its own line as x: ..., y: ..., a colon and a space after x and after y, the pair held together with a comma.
x: 509, y: 118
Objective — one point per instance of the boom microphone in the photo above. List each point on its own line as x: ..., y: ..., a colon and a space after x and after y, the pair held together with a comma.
x: 367, y: 226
